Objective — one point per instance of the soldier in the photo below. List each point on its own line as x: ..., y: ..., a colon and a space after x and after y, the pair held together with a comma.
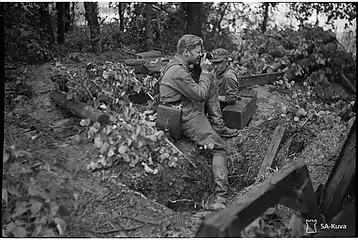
x: 178, y: 87
x: 226, y: 77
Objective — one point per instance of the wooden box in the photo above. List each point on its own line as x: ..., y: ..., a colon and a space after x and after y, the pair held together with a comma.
x: 238, y: 115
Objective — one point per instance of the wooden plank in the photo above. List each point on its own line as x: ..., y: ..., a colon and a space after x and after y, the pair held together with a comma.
x: 238, y: 215
x: 341, y: 176
x: 258, y: 79
x: 272, y: 149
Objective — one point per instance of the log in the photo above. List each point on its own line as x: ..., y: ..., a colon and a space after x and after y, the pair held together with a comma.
x: 79, y: 109
x: 134, y: 62
x: 150, y: 54
x: 340, y: 177
x: 272, y: 149
x: 233, y: 219
x: 258, y: 79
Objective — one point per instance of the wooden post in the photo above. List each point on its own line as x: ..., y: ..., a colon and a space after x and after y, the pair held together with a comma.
x: 341, y: 176
x: 272, y: 149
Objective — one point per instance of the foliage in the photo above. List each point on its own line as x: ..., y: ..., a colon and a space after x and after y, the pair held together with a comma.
x: 131, y: 136
x: 333, y: 11
x: 27, y: 209
x: 24, y: 39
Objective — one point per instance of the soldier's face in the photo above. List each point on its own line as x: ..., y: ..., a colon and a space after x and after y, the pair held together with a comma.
x: 194, y: 55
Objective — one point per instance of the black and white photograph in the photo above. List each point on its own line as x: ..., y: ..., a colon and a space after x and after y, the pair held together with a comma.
x: 179, y: 119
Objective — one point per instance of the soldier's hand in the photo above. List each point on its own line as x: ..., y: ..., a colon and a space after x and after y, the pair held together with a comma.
x: 205, y: 64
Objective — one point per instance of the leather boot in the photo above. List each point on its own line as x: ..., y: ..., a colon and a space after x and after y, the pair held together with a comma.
x: 220, y: 172
x: 215, y: 116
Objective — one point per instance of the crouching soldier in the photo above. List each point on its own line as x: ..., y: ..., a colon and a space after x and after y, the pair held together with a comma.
x: 178, y: 88
x: 226, y: 77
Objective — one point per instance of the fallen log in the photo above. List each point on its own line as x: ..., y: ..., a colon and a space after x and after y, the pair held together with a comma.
x: 78, y: 109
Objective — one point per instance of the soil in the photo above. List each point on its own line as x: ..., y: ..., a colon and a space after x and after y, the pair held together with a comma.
x: 128, y: 202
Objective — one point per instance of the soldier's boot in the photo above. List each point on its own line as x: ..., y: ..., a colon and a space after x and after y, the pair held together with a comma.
x: 215, y: 117
x: 220, y: 172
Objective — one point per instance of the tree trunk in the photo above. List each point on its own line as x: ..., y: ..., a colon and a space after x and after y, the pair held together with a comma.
x: 121, y: 20
x: 91, y: 16
x: 60, y: 22
x: 73, y: 14
x: 148, y: 28
x: 46, y: 20
x: 193, y: 18
x: 67, y: 6
x: 264, y: 22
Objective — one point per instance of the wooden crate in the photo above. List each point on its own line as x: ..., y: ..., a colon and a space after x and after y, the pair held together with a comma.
x: 238, y: 115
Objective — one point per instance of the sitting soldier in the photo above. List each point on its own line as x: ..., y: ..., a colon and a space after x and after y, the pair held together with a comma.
x: 178, y: 87
x: 226, y: 77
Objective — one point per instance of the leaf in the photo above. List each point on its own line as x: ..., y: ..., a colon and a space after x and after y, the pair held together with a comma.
x: 10, y: 227
x: 97, y: 125
x: 6, y: 157
x: 60, y: 225
x: 296, y: 226
x: 103, y: 106
x: 21, y: 209
x: 35, y: 206
x: 20, y: 232
x: 4, y: 195
x: 96, y: 104
x: 109, y: 129
x: 122, y: 149
x: 85, y: 122
x: 69, y: 96
x: 110, y: 153
x: 98, y: 142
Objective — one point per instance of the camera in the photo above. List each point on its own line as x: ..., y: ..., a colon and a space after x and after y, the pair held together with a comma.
x: 209, y: 56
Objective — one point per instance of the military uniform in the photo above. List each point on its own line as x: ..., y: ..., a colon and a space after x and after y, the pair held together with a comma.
x: 178, y: 87
x: 227, y: 81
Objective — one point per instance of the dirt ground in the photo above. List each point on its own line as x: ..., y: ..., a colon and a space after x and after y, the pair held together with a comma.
x: 127, y: 202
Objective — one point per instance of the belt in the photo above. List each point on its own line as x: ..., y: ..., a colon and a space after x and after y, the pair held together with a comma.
x: 177, y: 104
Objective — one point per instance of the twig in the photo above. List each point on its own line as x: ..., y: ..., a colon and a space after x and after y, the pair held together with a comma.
x: 181, y: 200
x: 117, y: 230
x: 171, y: 144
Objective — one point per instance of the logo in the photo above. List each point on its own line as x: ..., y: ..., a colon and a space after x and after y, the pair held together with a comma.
x: 311, y: 225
